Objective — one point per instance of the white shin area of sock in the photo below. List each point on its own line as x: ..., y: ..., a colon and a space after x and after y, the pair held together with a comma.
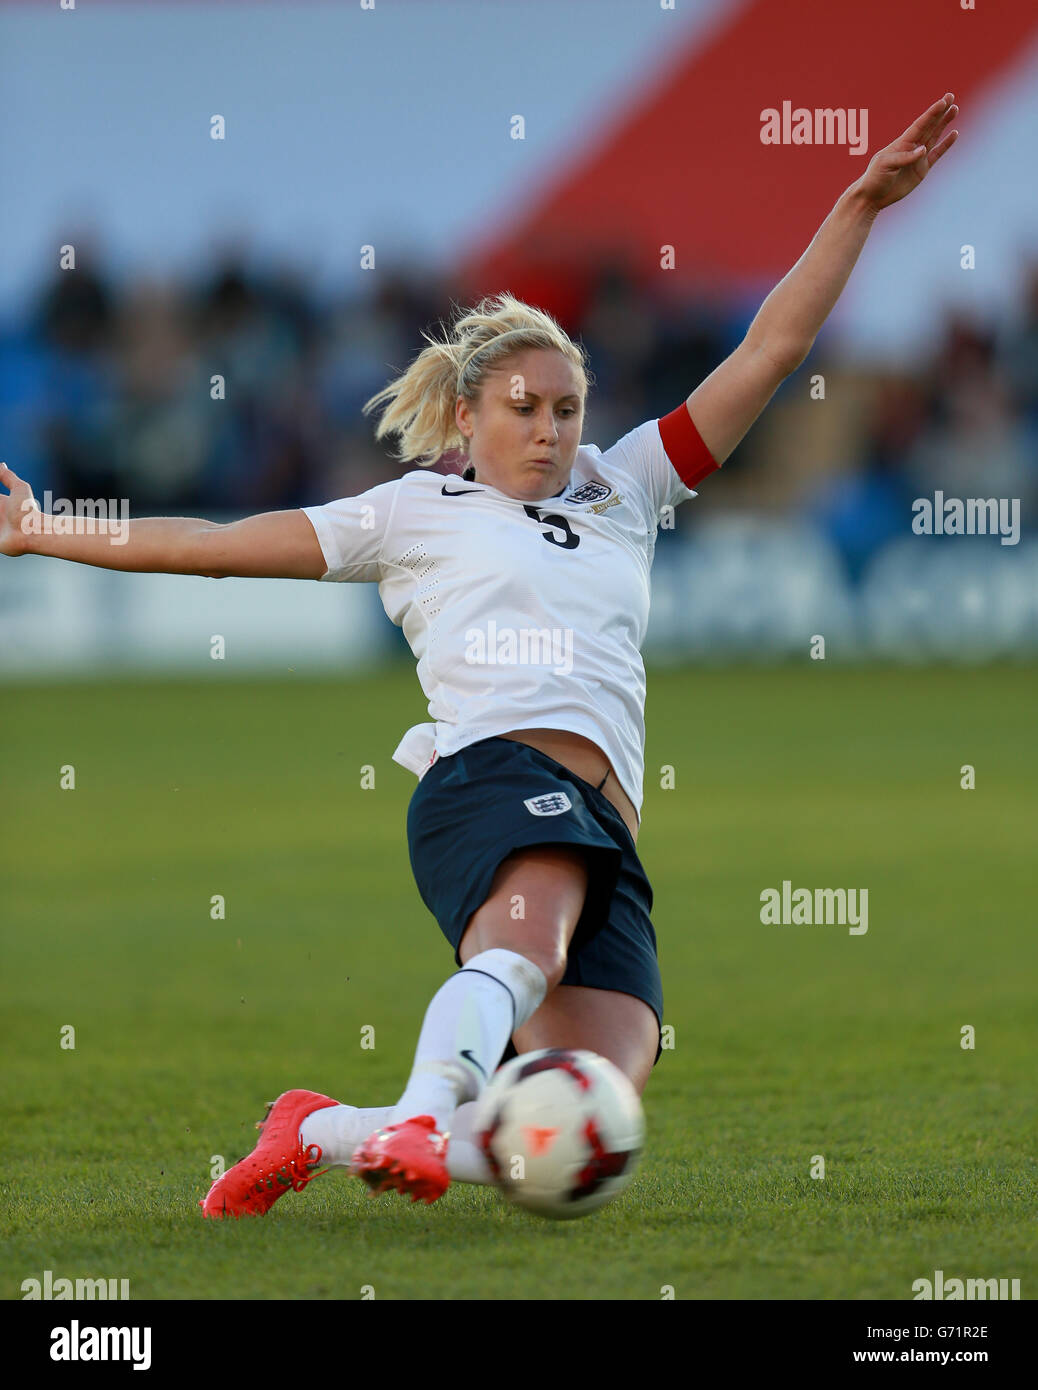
x: 465, y: 1031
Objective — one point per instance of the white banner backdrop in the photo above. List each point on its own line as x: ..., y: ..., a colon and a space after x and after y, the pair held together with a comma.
x: 735, y: 588
x: 60, y: 619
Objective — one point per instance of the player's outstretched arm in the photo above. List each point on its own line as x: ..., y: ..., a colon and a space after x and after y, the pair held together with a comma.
x: 273, y: 545
x: 726, y: 404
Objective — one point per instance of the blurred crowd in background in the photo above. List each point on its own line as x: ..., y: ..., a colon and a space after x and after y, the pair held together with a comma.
x: 106, y: 393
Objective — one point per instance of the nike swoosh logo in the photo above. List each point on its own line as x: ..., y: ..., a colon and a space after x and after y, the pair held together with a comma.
x: 465, y: 1051
x: 461, y: 493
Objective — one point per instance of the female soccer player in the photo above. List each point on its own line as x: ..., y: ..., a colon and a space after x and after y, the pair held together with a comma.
x: 523, y: 590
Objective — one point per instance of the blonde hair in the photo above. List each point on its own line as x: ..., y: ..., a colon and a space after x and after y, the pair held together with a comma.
x: 422, y: 401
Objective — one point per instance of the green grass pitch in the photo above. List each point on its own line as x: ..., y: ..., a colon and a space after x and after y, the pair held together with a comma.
x: 789, y: 1041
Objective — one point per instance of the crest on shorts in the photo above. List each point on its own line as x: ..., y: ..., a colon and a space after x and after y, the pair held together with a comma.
x: 550, y: 804
x: 589, y: 492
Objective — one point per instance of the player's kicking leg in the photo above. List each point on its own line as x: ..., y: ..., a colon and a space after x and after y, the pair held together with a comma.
x: 618, y: 1026
x: 466, y: 1029
x: 509, y: 969
x: 304, y: 1128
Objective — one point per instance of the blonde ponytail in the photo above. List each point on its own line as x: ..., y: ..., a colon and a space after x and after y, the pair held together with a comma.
x: 421, y: 403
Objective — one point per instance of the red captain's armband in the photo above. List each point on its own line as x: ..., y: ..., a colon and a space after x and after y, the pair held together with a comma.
x: 685, y: 448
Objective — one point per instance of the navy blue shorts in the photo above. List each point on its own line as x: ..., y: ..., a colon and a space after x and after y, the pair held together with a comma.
x: 474, y: 808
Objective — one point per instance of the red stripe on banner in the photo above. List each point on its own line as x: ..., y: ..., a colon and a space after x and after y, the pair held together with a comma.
x: 691, y: 458
x: 685, y: 167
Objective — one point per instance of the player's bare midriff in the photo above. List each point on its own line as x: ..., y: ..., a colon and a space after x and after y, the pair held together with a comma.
x: 579, y: 755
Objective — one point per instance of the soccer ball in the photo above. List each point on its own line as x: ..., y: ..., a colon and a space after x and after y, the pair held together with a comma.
x: 561, y: 1131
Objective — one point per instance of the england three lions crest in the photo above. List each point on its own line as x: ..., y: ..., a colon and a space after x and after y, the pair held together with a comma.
x: 550, y: 804
x: 589, y: 492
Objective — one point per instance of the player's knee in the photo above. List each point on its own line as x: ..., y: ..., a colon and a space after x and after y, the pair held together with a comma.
x: 549, y: 955
x: 550, y: 960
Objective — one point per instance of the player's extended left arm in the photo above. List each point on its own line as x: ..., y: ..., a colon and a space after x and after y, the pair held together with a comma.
x: 725, y: 405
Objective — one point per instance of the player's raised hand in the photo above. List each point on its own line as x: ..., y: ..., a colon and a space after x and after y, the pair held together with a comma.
x: 894, y: 172
x: 15, y: 505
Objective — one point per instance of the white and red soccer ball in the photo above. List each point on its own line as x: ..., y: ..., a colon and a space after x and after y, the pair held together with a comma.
x: 561, y: 1130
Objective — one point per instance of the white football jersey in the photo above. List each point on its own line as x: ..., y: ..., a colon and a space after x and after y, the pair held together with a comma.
x: 523, y: 615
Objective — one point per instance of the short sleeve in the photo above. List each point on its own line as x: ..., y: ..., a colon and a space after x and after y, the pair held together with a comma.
x: 666, y: 456
x: 352, y: 531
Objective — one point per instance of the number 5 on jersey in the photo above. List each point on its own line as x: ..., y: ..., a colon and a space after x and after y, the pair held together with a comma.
x: 558, y: 523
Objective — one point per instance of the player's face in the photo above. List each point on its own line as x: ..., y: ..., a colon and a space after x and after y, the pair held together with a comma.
x: 530, y: 409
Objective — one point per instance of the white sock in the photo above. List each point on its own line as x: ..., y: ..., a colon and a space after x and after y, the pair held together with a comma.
x: 340, y: 1128
x: 465, y: 1161
x: 465, y: 1031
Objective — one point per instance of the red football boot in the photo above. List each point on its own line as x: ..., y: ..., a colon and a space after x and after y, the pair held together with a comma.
x: 278, y: 1164
x: 408, y: 1157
